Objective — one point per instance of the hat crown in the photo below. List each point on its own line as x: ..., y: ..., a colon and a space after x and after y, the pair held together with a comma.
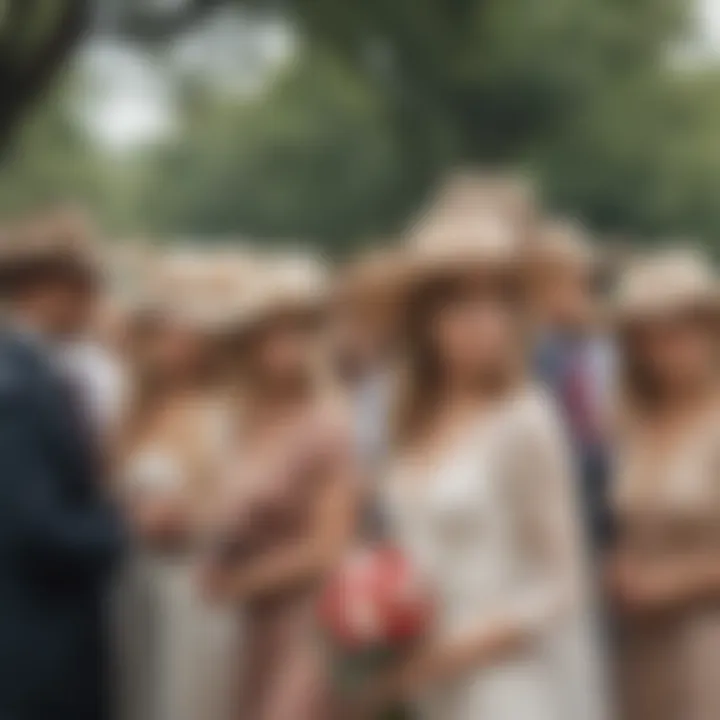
x: 199, y: 287
x: 669, y: 279
x: 475, y: 214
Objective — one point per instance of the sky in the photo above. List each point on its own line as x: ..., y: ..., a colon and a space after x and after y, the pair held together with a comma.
x: 129, y: 99
x: 710, y: 10
x: 129, y: 102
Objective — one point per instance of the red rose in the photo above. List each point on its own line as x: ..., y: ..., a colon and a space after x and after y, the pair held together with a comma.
x: 375, y: 599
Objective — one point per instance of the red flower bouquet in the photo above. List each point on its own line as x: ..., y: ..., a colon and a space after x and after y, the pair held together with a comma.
x: 372, y: 611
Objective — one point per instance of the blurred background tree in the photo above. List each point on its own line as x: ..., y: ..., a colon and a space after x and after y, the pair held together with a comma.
x: 340, y: 138
x: 313, y: 158
x: 50, y: 160
x: 36, y: 37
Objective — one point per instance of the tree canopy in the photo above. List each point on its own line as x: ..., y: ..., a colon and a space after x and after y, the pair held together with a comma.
x: 381, y: 98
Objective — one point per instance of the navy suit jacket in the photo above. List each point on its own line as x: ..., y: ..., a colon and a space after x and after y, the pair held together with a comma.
x: 59, y: 540
x: 553, y: 355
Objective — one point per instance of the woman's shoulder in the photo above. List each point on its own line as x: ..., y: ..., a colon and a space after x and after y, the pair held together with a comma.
x: 533, y: 431
x: 535, y: 450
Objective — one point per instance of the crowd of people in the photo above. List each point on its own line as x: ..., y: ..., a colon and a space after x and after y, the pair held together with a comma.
x: 192, y: 441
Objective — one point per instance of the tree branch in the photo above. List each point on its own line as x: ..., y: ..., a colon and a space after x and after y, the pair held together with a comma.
x: 154, y: 27
x: 24, y: 79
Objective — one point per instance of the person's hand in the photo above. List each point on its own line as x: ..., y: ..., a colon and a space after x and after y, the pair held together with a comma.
x: 623, y: 584
x: 646, y: 587
x: 162, y: 519
x: 213, y: 580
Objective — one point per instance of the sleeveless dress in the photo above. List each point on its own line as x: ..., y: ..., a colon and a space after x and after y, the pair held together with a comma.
x: 668, y: 506
x: 284, y: 679
x: 178, y: 654
x: 493, y: 525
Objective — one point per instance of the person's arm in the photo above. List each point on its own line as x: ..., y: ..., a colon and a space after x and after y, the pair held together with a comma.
x: 162, y: 520
x: 667, y: 584
x: 547, y: 515
x: 45, y: 532
x: 638, y: 584
x: 306, y: 559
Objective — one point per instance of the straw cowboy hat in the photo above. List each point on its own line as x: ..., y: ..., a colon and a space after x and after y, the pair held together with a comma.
x: 666, y: 283
x: 456, y: 242
x: 57, y: 243
x: 279, y: 286
x: 200, y: 289
x: 509, y: 197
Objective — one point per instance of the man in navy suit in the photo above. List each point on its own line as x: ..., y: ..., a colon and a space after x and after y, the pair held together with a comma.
x: 576, y: 361
x: 59, y: 536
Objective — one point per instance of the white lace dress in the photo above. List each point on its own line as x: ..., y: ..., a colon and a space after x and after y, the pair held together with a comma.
x: 178, y: 655
x: 493, y: 524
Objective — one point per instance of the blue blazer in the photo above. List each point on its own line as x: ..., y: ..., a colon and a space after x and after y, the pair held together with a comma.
x: 553, y: 354
x: 59, y: 540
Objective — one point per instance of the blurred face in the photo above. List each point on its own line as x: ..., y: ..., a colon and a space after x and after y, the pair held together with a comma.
x: 677, y: 351
x: 284, y: 350
x: 172, y: 351
x: 112, y: 328
x: 567, y: 299
x: 66, y: 307
x: 476, y: 330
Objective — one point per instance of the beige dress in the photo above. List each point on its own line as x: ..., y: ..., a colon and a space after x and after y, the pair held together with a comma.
x: 668, y: 504
x: 284, y: 677
x: 494, y: 525
x: 178, y: 655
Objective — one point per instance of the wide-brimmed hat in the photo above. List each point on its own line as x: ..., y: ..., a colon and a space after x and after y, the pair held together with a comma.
x: 666, y: 283
x: 510, y: 197
x: 288, y: 285
x: 448, y: 246
x: 198, y: 289
x: 55, y: 243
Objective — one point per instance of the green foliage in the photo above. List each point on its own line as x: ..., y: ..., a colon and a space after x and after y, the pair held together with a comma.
x: 312, y: 159
x: 503, y: 76
x: 347, y: 141
x: 645, y: 160
x: 383, y: 97
x: 52, y: 160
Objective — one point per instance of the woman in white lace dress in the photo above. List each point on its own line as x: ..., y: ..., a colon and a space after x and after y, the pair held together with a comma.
x: 177, y: 652
x: 480, y: 496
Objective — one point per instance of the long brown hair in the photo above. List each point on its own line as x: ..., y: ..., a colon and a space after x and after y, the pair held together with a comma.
x: 421, y: 373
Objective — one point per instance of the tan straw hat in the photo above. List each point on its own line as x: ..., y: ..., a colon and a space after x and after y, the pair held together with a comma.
x: 665, y: 283
x: 199, y: 288
x: 509, y: 197
x: 280, y: 285
x: 456, y: 241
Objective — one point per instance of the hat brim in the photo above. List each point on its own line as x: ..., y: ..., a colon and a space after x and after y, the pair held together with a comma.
x: 262, y: 314
x: 421, y: 271
x: 628, y: 315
